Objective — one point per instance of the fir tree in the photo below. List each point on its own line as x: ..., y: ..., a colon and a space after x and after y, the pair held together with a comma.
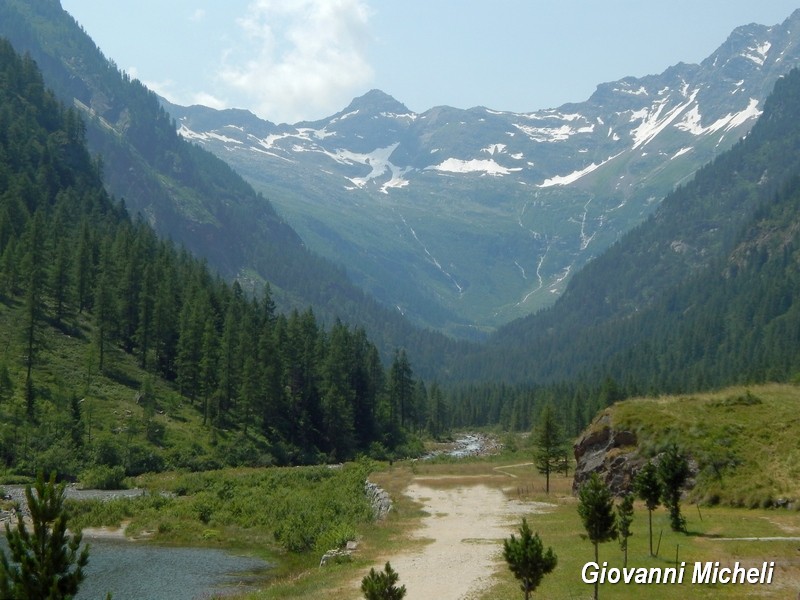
x: 673, y: 471
x: 596, y: 509
x: 382, y: 585
x: 624, y: 520
x: 648, y: 488
x: 527, y: 559
x: 549, y: 444
x: 48, y: 564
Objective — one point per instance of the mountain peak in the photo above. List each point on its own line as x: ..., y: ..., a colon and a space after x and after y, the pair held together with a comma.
x: 376, y: 101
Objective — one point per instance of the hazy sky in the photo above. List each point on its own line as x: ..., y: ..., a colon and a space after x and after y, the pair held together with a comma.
x: 291, y: 60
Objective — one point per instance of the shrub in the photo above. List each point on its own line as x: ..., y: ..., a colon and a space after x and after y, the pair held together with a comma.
x: 102, y: 477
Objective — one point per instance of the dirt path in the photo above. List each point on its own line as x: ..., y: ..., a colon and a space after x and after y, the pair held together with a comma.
x: 466, y: 524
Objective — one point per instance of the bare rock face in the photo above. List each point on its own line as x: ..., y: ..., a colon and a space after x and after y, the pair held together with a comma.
x: 612, y: 453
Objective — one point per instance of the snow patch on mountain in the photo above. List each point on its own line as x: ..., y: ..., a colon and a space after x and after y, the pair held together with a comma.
x: 758, y: 54
x: 188, y: 134
x: 475, y: 165
x: 553, y: 134
x: 575, y: 175
x: 681, y: 152
x: 653, y: 122
x: 493, y: 149
x: 692, y: 120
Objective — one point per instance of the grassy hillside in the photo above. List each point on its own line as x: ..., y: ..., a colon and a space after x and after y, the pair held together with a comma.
x: 744, y: 440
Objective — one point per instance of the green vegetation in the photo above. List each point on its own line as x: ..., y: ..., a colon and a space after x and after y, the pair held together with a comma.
x: 48, y: 564
x: 624, y: 520
x: 190, y: 196
x: 527, y: 558
x: 648, y: 489
x: 296, y: 510
x: 742, y: 440
x: 596, y: 509
x: 381, y: 585
x: 126, y: 357
x: 673, y: 471
x: 699, y: 296
x: 121, y: 347
x: 549, y: 444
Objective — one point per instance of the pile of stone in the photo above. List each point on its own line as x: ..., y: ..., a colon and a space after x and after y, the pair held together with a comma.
x: 338, y: 555
x: 379, y: 500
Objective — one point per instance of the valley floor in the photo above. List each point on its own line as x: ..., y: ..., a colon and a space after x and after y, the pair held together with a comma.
x: 464, y: 527
x: 444, y: 539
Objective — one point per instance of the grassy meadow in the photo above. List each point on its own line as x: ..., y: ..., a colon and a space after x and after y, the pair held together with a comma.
x: 248, y: 524
x: 741, y: 439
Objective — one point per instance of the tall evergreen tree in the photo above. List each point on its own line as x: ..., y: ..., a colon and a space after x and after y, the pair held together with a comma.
x: 401, y: 387
x: 549, y: 440
x: 673, y: 471
x: 624, y: 520
x: 648, y: 488
x: 596, y: 509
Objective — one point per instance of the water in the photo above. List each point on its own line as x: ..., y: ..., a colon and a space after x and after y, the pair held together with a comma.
x: 140, y: 571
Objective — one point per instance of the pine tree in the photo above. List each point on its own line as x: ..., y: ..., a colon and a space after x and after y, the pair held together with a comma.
x: 549, y: 444
x: 673, y: 471
x: 596, y: 509
x: 648, y: 488
x: 527, y: 559
x: 48, y: 564
x: 624, y: 520
x: 381, y: 585
x: 401, y: 388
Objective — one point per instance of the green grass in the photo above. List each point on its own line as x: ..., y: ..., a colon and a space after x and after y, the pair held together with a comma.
x: 296, y: 510
x: 238, y: 509
x: 116, y: 430
x: 743, y: 440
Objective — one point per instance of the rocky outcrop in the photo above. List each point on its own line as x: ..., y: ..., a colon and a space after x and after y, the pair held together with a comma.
x: 379, y: 500
x: 610, y: 452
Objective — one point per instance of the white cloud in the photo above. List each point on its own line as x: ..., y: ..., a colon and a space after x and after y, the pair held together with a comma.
x: 198, y: 15
x: 298, y: 58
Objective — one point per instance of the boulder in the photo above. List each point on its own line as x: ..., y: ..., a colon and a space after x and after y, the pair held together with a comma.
x: 610, y: 452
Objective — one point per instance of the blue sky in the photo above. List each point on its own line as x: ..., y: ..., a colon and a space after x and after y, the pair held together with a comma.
x: 292, y: 60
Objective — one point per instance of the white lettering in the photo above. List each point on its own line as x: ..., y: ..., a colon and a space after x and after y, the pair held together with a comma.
x: 702, y: 572
x: 592, y: 578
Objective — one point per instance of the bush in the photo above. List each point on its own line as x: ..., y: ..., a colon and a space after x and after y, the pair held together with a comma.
x: 102, y: 477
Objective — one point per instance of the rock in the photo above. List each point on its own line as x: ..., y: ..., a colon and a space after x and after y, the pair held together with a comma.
x: 610, y: 452
x: 336, y: 556
x: 379, y: 500
x: 614, y: 455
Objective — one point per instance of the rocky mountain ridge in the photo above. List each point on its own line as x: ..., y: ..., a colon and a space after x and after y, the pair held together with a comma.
x: 466, y: 219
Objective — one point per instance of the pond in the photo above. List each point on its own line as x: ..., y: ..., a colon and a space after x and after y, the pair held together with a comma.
x: 141, y: 571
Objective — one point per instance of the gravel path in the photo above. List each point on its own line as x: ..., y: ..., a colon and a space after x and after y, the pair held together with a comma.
x: 466, y: 525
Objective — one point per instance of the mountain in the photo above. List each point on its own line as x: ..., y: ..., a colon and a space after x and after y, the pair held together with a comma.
x: 189, y: 195
x: 124, y: 354
x: 466, y: 219
x: 703, y: 294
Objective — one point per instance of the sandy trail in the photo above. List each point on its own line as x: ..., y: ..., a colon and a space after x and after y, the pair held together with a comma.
x: 467, y: 525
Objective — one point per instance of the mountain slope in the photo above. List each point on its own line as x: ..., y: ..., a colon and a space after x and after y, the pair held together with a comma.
x: 704, y: 293
x: 189, y: 195
x: 123, y: 354
x: 465, y: 218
